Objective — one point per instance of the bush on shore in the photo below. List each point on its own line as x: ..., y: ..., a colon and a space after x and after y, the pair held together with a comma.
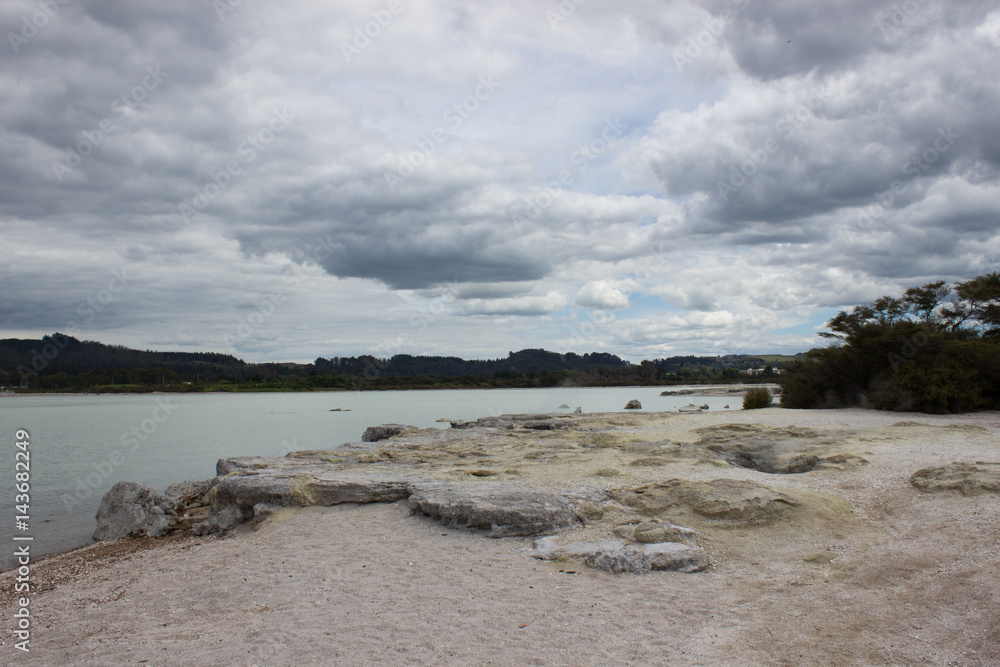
x: 756, y: 398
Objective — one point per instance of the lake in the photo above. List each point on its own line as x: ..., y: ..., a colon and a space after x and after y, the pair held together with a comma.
x: 81, y: 445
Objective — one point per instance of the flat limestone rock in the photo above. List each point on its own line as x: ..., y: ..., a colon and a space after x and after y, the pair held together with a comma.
x: 324, y: 488
x: 503, y: 509
x: 247, y: 486
x: 736, y: 501
x: 130, y: 509
x: 542, y: 422
x: 969, y: 479
x: 616, y: 556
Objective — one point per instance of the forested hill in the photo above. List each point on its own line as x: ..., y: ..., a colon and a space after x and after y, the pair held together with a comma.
x: 525, y: 361
x: 59, y: 352
x: 63, y: 363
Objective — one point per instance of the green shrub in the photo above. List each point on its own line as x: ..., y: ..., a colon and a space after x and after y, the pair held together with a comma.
x: 758, y: 397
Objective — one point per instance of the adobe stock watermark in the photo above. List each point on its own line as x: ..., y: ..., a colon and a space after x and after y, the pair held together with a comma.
x: 909, y: 348
x: 223, y: 7
x: 455, y: 116
x: 308, y: 265
x: 89, y: 309
x: 108, y: 125
x: 248, y: 151
x: 565, y: 9
x: 533, y: 205
x: 709, y: 37
x: 914, y: 168
x: 752, y: 335
x: 97, y: 478
x: 31, y: 25
x: 363, y: 35
x: 784, y: 129
x: 427, y: 313
x: 892, y: 21
x: 599, y: 320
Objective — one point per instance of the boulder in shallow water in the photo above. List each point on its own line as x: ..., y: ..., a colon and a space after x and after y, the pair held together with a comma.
x: 634, y: 404
x: 130, y: 509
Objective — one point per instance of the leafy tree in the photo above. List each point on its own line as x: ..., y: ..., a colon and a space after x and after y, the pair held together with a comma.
x: 935, y: 349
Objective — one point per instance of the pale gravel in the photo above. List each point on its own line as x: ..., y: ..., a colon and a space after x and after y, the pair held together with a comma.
x: 916, y: 580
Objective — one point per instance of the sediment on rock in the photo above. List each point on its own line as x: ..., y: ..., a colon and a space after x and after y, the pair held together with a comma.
x: 733, y: 501
x: 969, y: 479
x: 786, y: 450
x: 616, y: 556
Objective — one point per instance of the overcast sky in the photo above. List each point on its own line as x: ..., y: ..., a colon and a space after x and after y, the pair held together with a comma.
x: 289, y: 180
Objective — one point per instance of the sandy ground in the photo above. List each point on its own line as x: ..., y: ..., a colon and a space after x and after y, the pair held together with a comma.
x: 915, y: 579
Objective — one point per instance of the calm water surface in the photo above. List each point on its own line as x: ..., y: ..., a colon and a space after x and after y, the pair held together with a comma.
x: 81, y: 445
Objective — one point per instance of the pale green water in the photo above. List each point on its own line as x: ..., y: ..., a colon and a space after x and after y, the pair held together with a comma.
x: 82, y: 445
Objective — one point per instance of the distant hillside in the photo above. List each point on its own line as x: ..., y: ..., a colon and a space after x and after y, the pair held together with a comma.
x: 23, y: 362
x: 525, y: 361
x: 60, y: 353
x: 59, y: 362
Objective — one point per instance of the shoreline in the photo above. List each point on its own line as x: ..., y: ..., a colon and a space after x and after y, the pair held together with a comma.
x: 881, y: 584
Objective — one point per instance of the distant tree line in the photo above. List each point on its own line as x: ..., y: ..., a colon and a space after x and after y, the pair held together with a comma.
x: 63, y: 363
x: 935, y: 349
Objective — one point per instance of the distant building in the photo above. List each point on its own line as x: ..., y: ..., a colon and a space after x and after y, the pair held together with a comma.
x: 754, y: 372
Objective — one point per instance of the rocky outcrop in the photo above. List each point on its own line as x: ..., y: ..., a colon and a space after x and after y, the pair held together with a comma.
x: 384, y: 431
x: 616, y: 556
x: 634, y: 404
x: 188, y: 492
x: 249, y: 488
x: 969, y: 479
x: 502, y: 509
x: 538, y: 422
x: 134, y: 510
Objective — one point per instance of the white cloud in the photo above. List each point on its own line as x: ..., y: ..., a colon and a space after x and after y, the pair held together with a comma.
x: 602, y: 295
